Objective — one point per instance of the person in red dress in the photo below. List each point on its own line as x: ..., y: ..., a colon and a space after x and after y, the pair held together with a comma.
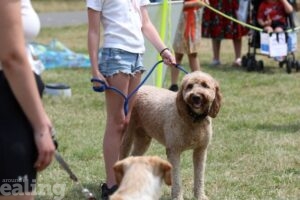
x: 217, y: 27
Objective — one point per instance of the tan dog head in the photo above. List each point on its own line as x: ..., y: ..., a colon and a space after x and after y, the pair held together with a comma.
x: 155, y: 164
x: 199, y: 95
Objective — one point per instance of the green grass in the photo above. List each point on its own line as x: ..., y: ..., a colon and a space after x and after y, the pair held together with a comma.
x: 74, y: 37
x: 254, y: 153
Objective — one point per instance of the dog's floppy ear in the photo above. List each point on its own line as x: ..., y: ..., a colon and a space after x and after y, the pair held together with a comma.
x: 180, y: 104
x: 167, y: 168
x: 119, y: 171
x: 215, y: 107
x: 162, y: 168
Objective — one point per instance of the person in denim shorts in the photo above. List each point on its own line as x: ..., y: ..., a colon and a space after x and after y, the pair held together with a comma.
x: 124, y: 25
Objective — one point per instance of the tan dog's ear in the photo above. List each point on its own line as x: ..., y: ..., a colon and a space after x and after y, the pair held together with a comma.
x: 119, y: 171
x: 161, y: 168
x: 167, y: 168
x: 180, y: 104
x: 215, y: 107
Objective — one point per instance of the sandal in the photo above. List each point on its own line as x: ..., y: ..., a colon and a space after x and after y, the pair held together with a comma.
x: 173, y: 87
x: 106, y: 192
x: 215, y: 63
x: 237, y: 63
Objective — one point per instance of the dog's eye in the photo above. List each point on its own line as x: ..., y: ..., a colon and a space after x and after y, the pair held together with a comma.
x: 205, y: 85
x: 189, y: 86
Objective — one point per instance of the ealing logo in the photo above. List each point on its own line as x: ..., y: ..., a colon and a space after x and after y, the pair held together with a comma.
x: 15, y: 187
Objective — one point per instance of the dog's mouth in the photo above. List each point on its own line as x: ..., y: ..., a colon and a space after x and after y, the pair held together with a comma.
x: 197, y: 107
x: 196, y: 101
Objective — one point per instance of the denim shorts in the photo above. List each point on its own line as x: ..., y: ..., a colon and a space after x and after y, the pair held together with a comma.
x: 114, y: 61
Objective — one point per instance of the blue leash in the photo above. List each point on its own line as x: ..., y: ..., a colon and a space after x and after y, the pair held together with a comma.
x: 181, y: 68
x: 104, y: 87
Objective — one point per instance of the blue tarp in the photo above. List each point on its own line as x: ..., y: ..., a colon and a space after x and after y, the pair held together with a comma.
x: 57, y: 55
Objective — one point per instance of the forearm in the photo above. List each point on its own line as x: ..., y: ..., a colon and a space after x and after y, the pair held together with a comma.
x: 93, y: 39
x: 287, y: 6
x: 93, y: 48
x: 153, y: 36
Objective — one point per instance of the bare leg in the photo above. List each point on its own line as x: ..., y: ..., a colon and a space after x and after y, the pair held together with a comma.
x: 278, y: 29
x: 116, y: 120
x: 175, y: 71
x: 216, y: 45
x: 237, y: 45
x: 268, y: 29
x: 194, y: 62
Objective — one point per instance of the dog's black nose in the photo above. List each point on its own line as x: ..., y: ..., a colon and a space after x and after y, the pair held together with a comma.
x: 196, y: 99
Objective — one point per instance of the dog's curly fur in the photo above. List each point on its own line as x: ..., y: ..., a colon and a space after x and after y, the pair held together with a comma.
x: 180, y: 121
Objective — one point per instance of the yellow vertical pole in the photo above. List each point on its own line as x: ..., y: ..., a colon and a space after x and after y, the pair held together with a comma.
x: 163, y: 25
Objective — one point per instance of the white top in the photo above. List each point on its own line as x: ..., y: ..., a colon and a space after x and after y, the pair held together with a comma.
x: 31, y: 21
x: 31, y: 27
x: 122, y: 23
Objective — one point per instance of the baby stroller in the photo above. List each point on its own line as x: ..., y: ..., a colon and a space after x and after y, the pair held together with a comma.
x: 254, y: 42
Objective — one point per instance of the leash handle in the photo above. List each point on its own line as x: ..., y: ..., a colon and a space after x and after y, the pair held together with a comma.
x: 104, y: 87
x: 100, y: 88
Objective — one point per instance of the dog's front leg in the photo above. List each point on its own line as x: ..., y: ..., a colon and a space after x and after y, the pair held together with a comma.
x: 199, y: 159
x: 174, y: 159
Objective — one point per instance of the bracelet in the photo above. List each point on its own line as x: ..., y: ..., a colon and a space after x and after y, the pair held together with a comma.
x: 162, y: 51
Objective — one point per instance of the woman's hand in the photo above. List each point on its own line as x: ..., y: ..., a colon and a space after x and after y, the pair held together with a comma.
x: 98, y: 75
x: 45, y: 147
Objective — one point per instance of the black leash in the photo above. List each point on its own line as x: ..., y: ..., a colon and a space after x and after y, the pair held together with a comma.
x: 86, y: 193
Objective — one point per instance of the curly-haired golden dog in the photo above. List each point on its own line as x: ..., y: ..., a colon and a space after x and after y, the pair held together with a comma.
x: 141, y: 177
x: 180, y: 121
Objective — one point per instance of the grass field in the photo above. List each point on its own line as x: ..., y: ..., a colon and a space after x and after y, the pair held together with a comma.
x: 254, y: 153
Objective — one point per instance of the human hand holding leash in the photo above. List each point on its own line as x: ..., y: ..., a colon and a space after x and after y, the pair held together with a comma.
x: 99, y: 82
x: 167, y: 57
